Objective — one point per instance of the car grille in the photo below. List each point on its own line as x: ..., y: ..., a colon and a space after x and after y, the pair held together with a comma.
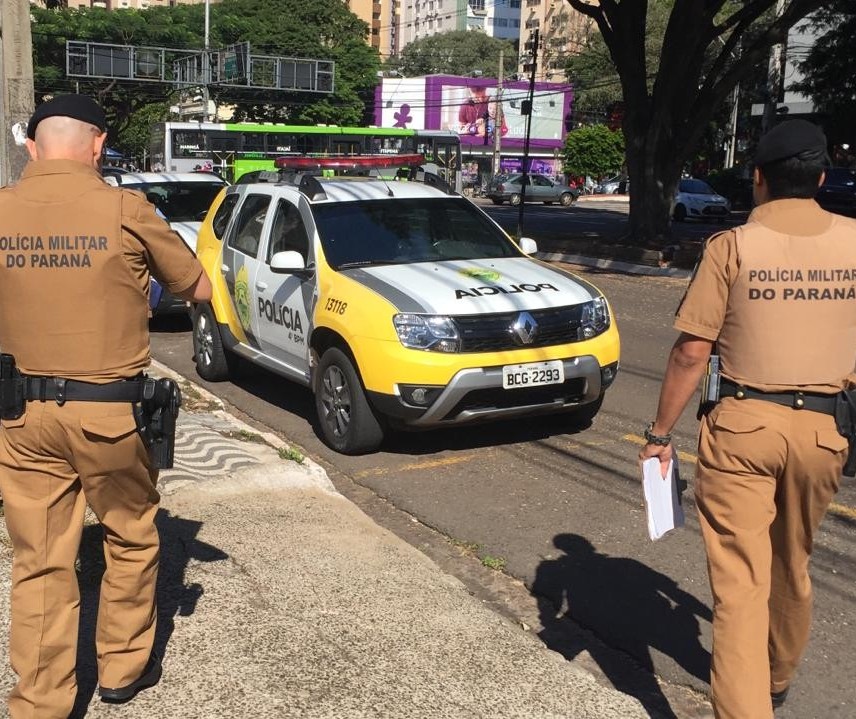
x: 492, y: 333
x: 569, y: 392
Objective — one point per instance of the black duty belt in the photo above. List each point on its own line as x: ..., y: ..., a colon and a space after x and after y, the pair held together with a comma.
x: 63, y: 390
x: 813, y: 401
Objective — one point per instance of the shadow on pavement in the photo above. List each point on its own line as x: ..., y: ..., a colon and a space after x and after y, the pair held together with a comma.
x: 628, y: 606
x: 175, y: 598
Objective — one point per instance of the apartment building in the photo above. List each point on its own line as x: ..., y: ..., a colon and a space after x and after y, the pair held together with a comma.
x: 421, y: 18
x: 563, y: 31
x: 380, y: 16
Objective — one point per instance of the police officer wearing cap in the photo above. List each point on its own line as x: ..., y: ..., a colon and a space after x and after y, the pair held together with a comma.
x: 75, y: 260
x: 776, y: 297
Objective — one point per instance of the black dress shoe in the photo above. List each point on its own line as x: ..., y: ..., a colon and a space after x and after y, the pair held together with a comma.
x: 151, y: 675
x: 779, y: 697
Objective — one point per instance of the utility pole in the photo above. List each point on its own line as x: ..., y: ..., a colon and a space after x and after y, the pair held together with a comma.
x: 497, y: 121
x: 206, y: 64
x: 526, y: 109
x: 774, y: 78
x: 16, y: 78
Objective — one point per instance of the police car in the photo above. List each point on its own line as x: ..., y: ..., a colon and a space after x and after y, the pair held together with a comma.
x: 399, y: 303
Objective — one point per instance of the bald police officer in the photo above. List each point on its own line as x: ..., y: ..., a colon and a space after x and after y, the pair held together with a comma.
x: 777, y: 297
x: 75, y: 258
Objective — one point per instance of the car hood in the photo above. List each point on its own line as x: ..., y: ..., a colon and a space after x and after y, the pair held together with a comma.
x: 467, y: 287
x: 188, y: 231
x: 697, y: 197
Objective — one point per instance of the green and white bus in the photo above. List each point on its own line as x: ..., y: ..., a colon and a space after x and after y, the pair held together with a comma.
x: 233, y: 149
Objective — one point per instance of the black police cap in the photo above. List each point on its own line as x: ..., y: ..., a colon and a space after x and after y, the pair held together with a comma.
x: 790, y: 139
x: 79, y: 107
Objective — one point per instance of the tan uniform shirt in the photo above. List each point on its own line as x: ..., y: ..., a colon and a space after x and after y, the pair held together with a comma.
x: 778, y: 295
x: 75, y: 257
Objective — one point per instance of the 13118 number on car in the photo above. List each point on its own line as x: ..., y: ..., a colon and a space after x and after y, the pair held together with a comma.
x: 533, y: 374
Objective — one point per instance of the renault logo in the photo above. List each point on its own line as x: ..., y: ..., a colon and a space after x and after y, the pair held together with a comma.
x: 524, y: 329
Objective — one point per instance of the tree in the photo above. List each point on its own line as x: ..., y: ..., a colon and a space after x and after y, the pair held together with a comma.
x: 594, y: 150
x: 708, y: 46
x: 829, y: 70
x: 459, y: 52
x: 323, y: 29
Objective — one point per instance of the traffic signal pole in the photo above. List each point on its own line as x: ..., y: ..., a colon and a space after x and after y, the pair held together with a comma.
x: 527, y: 110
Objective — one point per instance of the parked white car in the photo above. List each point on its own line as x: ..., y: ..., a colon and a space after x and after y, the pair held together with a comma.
x: 183, y: 199
x: 695, y: 198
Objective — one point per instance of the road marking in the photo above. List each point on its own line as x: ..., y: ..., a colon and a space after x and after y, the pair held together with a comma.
x: 841, y: 510
x: 445, y: 462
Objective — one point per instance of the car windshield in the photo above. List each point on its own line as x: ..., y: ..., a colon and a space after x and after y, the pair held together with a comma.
x: 179, y: 201
x: 405, y: 231
x: 696, y: 187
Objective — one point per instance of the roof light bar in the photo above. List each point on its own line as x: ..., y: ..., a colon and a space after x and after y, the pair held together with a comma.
x: 348, y: 162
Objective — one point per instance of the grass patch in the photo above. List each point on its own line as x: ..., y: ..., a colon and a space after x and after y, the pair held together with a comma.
x: 496, y: 563
x: 466, y: 547
x: 291, y: 454
x: 193, y: 401
x: 244, y: 436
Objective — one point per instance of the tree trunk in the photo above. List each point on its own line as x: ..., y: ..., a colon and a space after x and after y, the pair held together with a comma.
x: 654, y: 168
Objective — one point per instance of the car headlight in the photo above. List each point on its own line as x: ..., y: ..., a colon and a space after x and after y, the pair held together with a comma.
x: 595, y: 318
x: 427, y: 332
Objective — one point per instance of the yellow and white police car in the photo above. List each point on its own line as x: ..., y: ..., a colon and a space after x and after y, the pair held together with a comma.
x: 399, y: 303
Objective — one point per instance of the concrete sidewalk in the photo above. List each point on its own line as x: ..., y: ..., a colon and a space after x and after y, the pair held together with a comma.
x: 280, y: 598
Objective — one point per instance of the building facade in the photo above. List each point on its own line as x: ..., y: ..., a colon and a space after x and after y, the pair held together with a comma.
x: 380, y: 16
x: 422, y: 18
x: 563, y: 32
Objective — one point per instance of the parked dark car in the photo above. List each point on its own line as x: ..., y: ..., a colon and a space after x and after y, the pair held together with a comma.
x: 539, y: 189
x: 838, y: 191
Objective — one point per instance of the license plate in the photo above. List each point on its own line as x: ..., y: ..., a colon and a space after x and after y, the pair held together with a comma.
x: 533, y: 374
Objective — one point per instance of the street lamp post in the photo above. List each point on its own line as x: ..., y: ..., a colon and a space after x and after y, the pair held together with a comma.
x: 524, y: 178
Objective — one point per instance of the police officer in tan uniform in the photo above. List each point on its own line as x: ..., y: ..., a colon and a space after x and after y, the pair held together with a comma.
x: 777, y: 296
x: 75, y: 259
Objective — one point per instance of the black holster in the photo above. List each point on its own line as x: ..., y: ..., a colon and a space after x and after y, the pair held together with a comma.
x: 12, y: 402
x: 155, y: 415
x: 845, y: 422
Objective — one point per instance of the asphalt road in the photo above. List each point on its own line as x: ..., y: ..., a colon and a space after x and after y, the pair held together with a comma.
x: 563, y: 512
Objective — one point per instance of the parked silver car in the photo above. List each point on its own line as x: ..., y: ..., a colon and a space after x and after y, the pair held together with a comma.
x: 508, y: 188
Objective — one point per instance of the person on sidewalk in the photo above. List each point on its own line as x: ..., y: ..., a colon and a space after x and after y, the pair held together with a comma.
x: 74, y: 277
x: 776, y: 297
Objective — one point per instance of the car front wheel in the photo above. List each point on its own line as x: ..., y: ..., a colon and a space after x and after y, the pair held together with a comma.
x: 213, y: 361
x: 515, y: 199
x: 346, y: 420
x: 680, y: 213
x: 567, y: 199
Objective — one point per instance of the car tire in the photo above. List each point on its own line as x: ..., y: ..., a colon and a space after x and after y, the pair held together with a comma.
x: 347, y: 422
x: 567, y: 199
x: 515, y: 199
x: 213, y: 361
x: 680, y: 213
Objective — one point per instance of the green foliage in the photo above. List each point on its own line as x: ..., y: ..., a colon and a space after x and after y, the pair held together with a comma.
x: 830, y: 69
x: 594, y: 150
x: 133, y: 139
x: 456, y: 53
x: 593, y: 74
x: 323, y: 29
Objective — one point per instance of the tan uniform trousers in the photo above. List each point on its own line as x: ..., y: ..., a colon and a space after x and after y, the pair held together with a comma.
x: 46, y: 458
x: 766, y: 475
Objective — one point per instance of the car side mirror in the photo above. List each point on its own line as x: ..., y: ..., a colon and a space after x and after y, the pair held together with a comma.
x: 287, y: 262
x: 528, y: 245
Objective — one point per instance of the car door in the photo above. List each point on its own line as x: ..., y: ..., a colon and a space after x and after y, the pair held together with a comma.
x: 285, y: 300
x: 240, y: 260
x: 542, y: 189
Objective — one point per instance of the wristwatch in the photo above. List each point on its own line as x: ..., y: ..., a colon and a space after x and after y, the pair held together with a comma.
x: 662, y: 440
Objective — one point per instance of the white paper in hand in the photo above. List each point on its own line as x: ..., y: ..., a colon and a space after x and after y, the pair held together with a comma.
x: 662, y: 502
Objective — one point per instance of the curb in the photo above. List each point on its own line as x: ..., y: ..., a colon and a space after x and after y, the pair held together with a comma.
x: 615, y: 265
x: 315, y: 470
